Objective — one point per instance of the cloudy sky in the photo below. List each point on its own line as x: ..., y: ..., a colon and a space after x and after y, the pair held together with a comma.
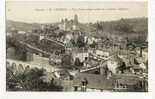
x: 48, y: 12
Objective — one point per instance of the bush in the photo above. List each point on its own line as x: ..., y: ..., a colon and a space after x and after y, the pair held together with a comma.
x: 29, y: 81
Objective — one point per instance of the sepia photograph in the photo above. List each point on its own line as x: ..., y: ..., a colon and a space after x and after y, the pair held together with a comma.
x: 76, y: 46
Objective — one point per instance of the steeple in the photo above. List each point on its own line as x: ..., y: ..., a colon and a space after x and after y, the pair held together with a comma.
x: 62, y: 21
x: 75, y: 19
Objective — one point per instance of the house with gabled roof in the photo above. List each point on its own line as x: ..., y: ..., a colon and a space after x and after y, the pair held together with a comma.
x: 101, y: 83
x: 92, y: 82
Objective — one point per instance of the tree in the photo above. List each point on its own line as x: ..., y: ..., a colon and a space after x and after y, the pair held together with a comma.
x: 30, y: 81
x: 93, y: 45
x: 122, y: 67
x: 99, y: 26
x: 20, y: 49
x: 77, y: 62
x: 80, y: 42
x: 123, y: 26
x: 11, y: 82
x: 66, y: 60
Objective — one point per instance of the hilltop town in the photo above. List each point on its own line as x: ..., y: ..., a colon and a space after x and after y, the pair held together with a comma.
x: 73, y: 56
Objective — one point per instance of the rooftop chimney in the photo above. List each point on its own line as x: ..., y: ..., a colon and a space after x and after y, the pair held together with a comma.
x: 84, y: 85
x: 141, y: 52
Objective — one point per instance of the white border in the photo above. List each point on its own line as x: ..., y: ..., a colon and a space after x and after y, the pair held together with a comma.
x: 82, y: 0
x: 73, y: 95
x: 2, y: 47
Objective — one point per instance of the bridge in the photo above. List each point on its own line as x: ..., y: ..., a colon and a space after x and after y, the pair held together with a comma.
x: 38, y: 50
x: 52, y: 40
x: 33, y: 49
x: 98, y: 65
x: 55, y: 41
x: 34, y: 64
x: 101, y: 59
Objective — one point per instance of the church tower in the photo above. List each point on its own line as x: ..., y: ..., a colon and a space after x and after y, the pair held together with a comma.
x: 75, y: 19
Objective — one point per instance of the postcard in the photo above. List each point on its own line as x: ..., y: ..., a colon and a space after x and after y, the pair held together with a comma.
x: 76, y: 47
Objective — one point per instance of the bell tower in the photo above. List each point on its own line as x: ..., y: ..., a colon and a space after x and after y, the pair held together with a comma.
x: 75, y: 19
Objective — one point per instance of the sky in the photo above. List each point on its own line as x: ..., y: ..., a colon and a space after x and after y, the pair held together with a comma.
x: 48, y: 12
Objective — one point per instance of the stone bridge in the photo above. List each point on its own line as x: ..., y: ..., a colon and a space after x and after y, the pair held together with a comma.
x: 20, y: 64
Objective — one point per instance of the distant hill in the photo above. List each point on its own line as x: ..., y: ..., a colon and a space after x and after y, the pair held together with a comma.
x: 133, y: 27
x: 139, y: 25
x: 20, y: 25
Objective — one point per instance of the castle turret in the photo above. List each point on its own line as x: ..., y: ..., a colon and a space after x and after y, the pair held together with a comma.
x: 62, y: 21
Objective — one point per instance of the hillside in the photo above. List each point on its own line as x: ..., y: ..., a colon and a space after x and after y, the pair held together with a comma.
x: 134, y: 26
x: 20, y: 26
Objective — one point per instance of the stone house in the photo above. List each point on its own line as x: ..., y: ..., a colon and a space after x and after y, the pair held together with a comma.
x: 92, y: 83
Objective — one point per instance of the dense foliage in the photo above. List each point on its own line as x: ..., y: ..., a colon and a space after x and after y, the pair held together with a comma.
x: 29, y: 80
